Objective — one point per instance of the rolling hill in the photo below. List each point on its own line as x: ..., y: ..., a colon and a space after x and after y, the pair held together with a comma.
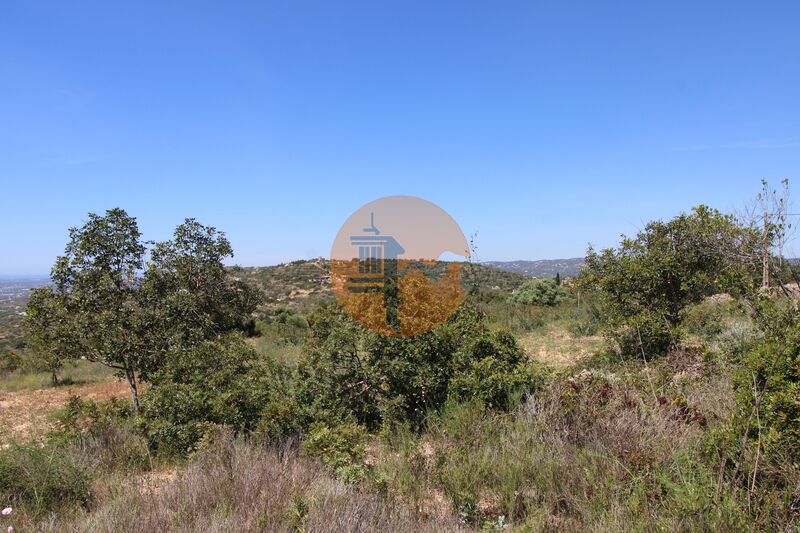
x: 543, y: 268
x: 303, y: 283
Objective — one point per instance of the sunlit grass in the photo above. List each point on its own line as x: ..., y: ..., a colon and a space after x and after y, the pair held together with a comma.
x: 73, y: 373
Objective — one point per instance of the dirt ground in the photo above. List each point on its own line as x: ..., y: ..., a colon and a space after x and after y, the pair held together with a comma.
x: 25, y: 413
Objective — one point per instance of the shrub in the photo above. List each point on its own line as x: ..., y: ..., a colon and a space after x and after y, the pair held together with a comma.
x: 42, y: 479
x: 350, y: 374
x: 539, y: 292
x: 284, y: 314
x: 492, y: 370
x: 219, y: 382
x: 768, y: 395
x: 643, y: 286
x: 9, y: 362
x: 645, y: 334
x: 341, y: 447
x: 102, y: 433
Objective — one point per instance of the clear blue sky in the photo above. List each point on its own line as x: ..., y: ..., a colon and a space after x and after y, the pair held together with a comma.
x: 541, y: 125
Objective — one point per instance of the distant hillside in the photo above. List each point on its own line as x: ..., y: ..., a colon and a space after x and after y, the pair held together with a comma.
x: 14, y: 292
x: 302, y: 284
x: 543, y: 268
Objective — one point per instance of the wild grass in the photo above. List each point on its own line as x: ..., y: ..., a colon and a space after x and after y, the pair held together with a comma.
x: 235, y: 486
x: 279, y: 343
x: 74, y: 373
x: 595, y: 452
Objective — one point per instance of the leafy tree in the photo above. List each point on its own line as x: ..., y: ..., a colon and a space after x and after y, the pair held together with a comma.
x: 642, y: 286
x: 50, y: 331
x: 539, y: 292
x: 107, y: 305
x: 187, y: 293
x: 92, y: 309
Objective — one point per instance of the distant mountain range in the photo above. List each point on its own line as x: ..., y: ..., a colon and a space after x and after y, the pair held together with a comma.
x: 547, y: 268
x: 543, y: 268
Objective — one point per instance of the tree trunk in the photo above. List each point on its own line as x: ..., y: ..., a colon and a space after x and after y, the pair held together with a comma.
x: 131, y: 375
x: 54, y: 377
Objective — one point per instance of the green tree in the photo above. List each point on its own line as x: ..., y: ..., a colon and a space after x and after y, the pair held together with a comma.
x: 107, y: 305
x: 539, y: 292
x: 187, y: 292
x: 49, y: 326
x: 93, y: 302
x: 642, y: 286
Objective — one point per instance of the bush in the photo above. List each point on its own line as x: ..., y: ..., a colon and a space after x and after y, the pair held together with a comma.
x: 539, y: 292
x: 645, y: 334
x: 9, y: 362
x: 643, y: 286
x: 493, y: 370
x: 103, y: 433
x: 42, y: 479
x: 768, y: 395
x: 353, y: 375
x: 341, y: 447
x: 220, y: 382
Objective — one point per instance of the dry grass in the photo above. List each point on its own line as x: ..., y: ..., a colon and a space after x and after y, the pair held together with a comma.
x: 24, y: 414
x: 594, y: 452
x: 556, y: 346
x: 233, y: 486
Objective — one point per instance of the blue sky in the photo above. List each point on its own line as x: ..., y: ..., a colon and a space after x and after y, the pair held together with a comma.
x: 540, y: 125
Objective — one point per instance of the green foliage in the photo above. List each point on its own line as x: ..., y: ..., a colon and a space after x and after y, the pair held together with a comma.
x: 709, y: 318
x: 493, y: 370
x: 284, y: 324
x: 540, y: 292
x: 188, y: 294
x: 81, y: 418
x: 286, y: 315
x: 642, y: 286
x: 341, y: 447
x: 92, y: 308
x: 103, y: 432
x: 768, y: 394
x: 351, y: 374
x: 9, y: 362
x: 50, y: 335
x: 214, y: 383
x: 106, y: 305
x: 42, y: 479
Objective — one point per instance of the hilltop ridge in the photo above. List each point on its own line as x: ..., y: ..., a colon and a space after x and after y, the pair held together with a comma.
x: 542, y: 268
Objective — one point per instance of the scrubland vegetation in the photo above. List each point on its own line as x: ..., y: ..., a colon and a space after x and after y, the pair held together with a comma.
x: 671, y: 401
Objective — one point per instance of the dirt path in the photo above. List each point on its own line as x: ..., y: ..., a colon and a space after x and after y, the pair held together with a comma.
x: 23, y: 414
